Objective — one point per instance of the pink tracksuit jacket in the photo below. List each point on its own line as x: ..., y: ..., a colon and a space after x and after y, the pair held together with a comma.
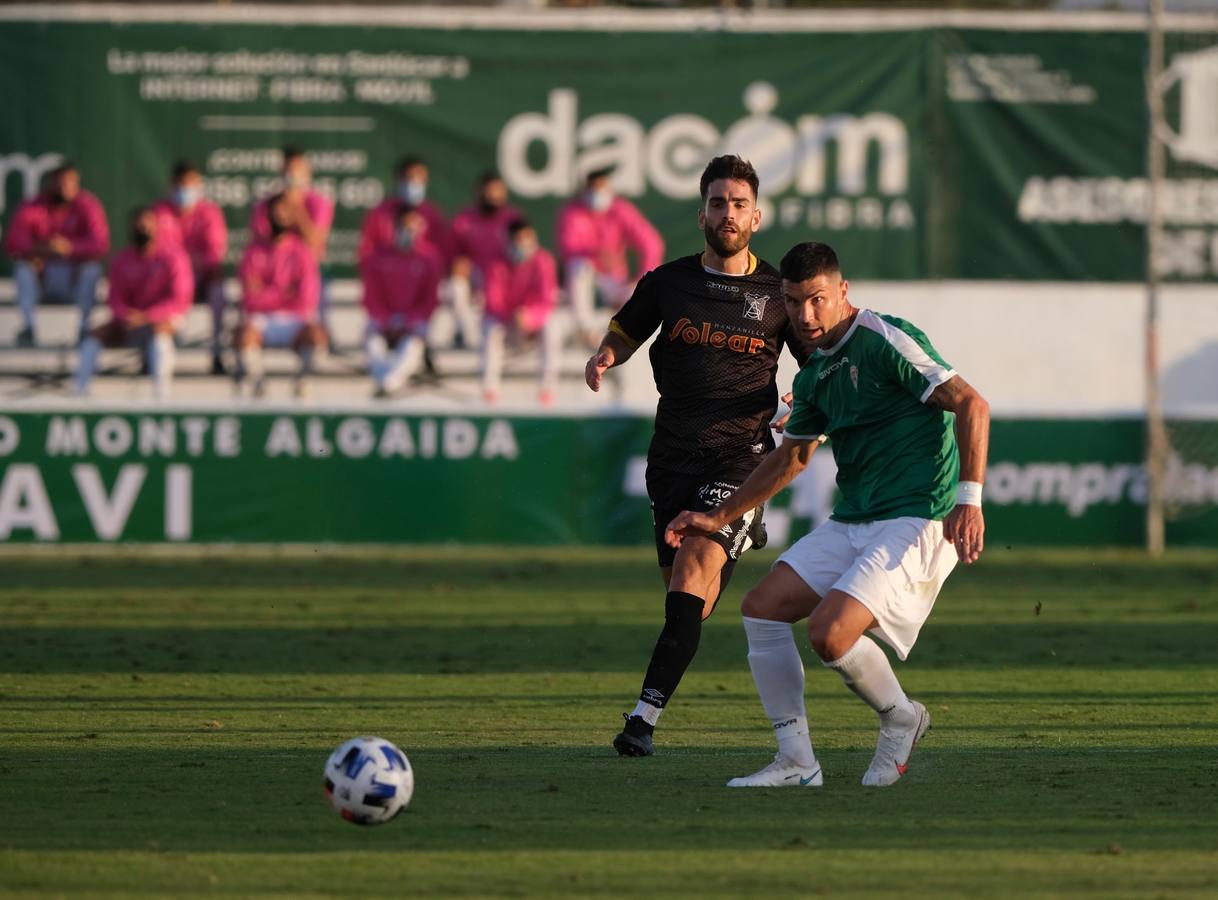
x: 318, y: 206
x: 603, y: 238
x: 280, y: 276
x: 484, y: 240
x: 82, y: 221
x: 159, y: 283
x: 532, y: 290
x: 199, y: 230
x: 380, y: 226
x: 402, y: 283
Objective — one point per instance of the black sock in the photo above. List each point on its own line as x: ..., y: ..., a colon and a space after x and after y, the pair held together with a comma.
x: 675, y: 648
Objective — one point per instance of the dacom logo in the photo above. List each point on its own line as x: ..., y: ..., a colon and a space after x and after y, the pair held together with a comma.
x: 669, y: 158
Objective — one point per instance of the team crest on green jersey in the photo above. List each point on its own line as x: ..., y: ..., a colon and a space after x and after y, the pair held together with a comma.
x: 854, y: 377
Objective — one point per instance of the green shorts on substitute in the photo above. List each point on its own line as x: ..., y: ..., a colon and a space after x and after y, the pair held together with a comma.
x: 894, y: 567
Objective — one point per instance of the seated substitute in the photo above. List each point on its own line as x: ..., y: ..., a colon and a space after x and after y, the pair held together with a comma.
x: 910, y: 438
x: 198, y: 226
x: 523, y: 313
x: 401, y: 292
x: 595, y: 230
x: 57, y: 241
x: 280, y: 290
x: 151, y: 288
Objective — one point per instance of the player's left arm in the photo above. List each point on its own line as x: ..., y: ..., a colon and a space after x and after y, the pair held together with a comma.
x: 965, y: 525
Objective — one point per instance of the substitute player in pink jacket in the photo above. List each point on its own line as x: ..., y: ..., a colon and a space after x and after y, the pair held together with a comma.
x: 523, y: 313
x: 280, y: 292
x: 151, y: 289
x: 57, y: 240
x: 594, y: 232
x: 198, y: 225
x: 380, y: 228
x: 401, y: 292
x: 308, y: 212
x: 480, y: 245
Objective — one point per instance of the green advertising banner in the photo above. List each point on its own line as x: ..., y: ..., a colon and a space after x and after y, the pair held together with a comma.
x: 351, y: 478
x: 918, y: 150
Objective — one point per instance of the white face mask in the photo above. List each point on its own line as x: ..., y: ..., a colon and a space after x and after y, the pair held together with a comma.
x: 599, y: 201
x: 412, y: 192
x: 184, y: 197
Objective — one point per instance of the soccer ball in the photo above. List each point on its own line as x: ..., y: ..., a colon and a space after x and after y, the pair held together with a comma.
x: 368, y: 780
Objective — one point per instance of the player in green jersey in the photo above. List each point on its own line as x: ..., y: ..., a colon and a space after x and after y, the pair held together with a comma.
x: 910, y: 440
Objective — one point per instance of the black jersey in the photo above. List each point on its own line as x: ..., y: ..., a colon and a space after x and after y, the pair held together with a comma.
x: 715, y: 360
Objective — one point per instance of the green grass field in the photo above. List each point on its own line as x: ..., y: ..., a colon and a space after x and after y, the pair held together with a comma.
x: 166, y: 719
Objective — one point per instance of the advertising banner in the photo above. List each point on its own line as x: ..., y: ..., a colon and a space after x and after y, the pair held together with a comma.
x: 350, y: 478
x: 919, y: 152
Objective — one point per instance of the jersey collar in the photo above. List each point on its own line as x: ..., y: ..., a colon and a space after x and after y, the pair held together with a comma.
x: 845, y: 337
x: 705, y: 267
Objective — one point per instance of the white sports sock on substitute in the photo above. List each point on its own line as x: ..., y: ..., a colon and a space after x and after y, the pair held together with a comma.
x: 406, y: 360
x: 376, y: 347
x: 90, y: 349
x: 160, y: 364
x: 494, y: 336
x: 867, y: 672
x: 778, y: 672
x: 648, y: 713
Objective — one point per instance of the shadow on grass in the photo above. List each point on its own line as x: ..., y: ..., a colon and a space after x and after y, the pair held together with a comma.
x: 430, y: 649
x: 584, y: 798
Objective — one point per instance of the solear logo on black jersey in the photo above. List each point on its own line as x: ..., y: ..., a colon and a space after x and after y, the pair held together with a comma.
x: 754, y: 305
x: 685, y: 330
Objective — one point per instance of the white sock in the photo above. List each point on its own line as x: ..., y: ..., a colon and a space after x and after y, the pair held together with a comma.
x: 90, y: 349
x: 494, y: 335
x: 866, y: 671
x: 778, y: 672
x: 376, y: 347
x: 406, y: 360
x: 648, y: 713
x: 160, y: 364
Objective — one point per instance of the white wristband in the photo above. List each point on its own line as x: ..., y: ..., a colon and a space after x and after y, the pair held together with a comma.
x: 968, y: 493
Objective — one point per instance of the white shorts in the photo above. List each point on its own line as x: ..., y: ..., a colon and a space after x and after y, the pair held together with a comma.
x: 278, y: 329
x: 894, y: 567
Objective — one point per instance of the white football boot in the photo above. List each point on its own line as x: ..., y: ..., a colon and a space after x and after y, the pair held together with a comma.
x: 894, y: 747
x: 782, y: 772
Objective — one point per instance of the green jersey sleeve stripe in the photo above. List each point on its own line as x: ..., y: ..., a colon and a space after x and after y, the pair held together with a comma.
x: 934, y: 372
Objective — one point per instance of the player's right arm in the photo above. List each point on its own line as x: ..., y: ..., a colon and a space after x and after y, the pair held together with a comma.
x: 776, y: 471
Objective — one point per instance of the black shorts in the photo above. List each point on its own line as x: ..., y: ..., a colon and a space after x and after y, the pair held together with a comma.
x: 671, y: 492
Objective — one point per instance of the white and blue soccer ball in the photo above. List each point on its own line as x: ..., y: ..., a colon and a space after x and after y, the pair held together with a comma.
x: 368, y: 780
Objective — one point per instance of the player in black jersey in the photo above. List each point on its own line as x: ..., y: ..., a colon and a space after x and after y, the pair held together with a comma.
x: 722, y: 325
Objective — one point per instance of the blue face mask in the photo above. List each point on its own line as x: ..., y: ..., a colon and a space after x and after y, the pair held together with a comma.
x: 412, y: 192
x: 186, y: 196
x: 520, y: 253
x: 599, y: 201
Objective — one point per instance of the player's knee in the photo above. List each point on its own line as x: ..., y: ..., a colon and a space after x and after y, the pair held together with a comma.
x: 829, y: 638
x: 757, y: 604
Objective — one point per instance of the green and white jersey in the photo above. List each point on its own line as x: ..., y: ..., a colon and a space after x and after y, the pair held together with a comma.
x: 895, y: 455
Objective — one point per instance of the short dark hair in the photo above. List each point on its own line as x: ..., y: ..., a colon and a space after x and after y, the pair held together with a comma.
x: 518, y: 225
x: 407, y: 162
x: 731, y: 167
x: 292, y: 152
x: 66, y: 166
x: 488, y: 176
x: 598, y: 174
x: 807, y: 260
x: 182, y: 168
